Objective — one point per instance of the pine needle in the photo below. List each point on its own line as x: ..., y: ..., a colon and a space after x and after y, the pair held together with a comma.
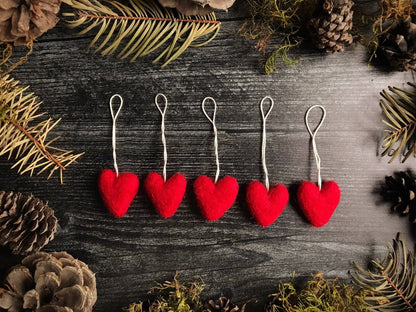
x: 140, y: 28
x: 392, y: 281
x: 24, y: 140
x: 399, y: 108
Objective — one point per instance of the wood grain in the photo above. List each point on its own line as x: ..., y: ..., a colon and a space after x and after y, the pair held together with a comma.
x: 233, y: 256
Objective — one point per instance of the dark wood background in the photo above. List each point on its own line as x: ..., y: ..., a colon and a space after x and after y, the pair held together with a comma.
x: 234, y: 256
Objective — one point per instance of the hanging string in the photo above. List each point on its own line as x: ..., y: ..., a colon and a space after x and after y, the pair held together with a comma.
x: 114, y: 117
x: 162, y: 128
x: 212, y: 121
x: 263, y: 145
x: 313, y: 138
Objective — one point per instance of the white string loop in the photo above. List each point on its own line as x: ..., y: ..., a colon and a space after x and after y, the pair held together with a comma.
x: 313, y: 138
x: 263, y: 145
x: 162, y: 128
x: 212, y: 121
x: 114, y: 117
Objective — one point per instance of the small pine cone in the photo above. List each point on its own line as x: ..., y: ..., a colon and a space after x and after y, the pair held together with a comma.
x: 49, y: 282
x: 398, y: 44
x: 331, y: 29
x: 22, y: 21
x: 400, y: 190
x: 26, y: 223
x: 223, y: 304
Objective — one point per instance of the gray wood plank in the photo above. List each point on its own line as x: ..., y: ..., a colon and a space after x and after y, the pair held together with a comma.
x: 233, y: 256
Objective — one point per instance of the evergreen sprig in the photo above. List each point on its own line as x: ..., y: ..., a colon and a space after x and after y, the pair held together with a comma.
x: 399, y: 107
x: 142, y: 27
x: 23, y: 137
x: 391, y: 281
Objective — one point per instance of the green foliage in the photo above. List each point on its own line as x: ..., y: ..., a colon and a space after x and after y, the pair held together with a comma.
x: 173, y: 297
x: 277, y: 19
x: 399, y: 107
x: 391, y: 282
x: 320, y: 294
x: 142, y: 27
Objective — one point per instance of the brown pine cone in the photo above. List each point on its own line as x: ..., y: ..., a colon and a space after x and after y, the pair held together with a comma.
x: 398, y: 44
x: 197, y: 7
x: 331, y: 29
x: 22, y: 21
x: 26, y: 223
x: 49, y: 282
x: 223, y: 304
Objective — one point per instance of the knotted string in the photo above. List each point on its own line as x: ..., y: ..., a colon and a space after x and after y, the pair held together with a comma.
x: 114, y: 117
x: 313, y: 138
x: 162, y: 128
x: 212, y: 121
x: 263, y: 145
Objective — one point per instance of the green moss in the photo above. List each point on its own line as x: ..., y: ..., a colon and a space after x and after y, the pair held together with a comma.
x: 320, y: 295
x: 173, y: 296
x: 280, y: 20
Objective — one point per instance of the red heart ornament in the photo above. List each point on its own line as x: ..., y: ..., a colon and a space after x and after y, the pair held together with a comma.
x: 214, y: 199
x: 318, y: 206
x: 266, y: 206
x: 165, y: 196
x: 117, y: 192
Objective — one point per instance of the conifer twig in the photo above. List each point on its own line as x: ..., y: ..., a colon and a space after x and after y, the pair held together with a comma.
x: 140, y: 28
x: 399, y: 108
x: 23, y: 137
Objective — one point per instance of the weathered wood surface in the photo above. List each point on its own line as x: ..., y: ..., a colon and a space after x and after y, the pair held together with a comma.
x: 233, y: 255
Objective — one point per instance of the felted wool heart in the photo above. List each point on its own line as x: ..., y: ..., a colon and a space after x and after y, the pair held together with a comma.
x: 165, y: 196
x: 266, y: 206
x: 117, y: 192
x: 318, y: 206
x: 214, y: 199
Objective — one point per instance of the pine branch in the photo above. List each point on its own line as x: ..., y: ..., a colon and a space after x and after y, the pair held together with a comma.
x: 392, y: 281
x: 141, y: 28
x: 399, y: 107
x: 24, y: 141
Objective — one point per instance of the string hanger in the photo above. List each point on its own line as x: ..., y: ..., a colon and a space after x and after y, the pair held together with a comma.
x: 313, y: 138
x: 214, y: 127
x: 114, y: 117
x: 162, y: 128
x: 264, y: 140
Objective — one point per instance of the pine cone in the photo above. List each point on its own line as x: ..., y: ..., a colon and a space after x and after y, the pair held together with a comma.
x: 22, y: 21
x: 331, y: 30
x: 26, y: 223
x: 49, y: 282
x: 223, y: 304
x: 197, y: 7
x: 398, y: 44
x: 400, y: 190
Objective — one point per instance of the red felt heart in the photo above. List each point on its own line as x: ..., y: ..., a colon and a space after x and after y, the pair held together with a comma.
x: 165, y: 196
x: 266, y: 206
x: 318, y: 206
x: 117, y: 192
x: 214, y: 199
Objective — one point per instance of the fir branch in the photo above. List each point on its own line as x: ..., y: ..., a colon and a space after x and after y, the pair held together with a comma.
x: 399, y: 108
x: 141, y: 28
x: 22, y: 138
x: 391, y: 281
